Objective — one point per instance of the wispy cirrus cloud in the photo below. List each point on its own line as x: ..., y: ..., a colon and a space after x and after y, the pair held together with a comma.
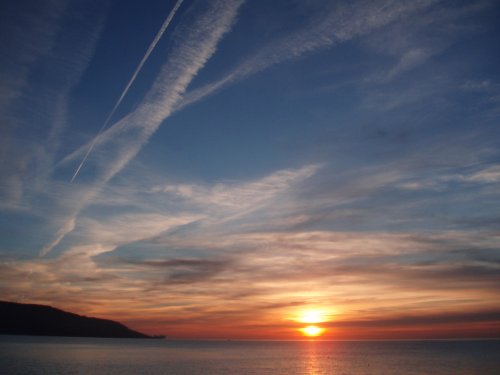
x: 198, y: 44
x: 412, y: 42
x: 329, y: 25
x: 47, y: 57
x: 270, y: 268
x: 136, y: 72
x: 94, y: 237
x: 40, y: 23
x: 326, y: 28
x: 334, y: 24
x: 239, y: 197
x: 21, y: 52
x: 476, y: 175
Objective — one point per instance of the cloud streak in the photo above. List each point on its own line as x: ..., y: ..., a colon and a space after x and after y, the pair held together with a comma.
x: 65, y: 229
x: 22, y: 51
x: 137, y: 70
x: 328, y: 27
x: 198, y: 44
x: 336, y: 24
x: 50, y: 63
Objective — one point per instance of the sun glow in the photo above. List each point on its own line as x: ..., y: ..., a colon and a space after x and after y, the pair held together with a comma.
x: 312, y: 317
x: 312, y: 331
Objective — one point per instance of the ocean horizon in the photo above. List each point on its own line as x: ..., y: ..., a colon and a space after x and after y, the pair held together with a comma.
x: 76, y: 355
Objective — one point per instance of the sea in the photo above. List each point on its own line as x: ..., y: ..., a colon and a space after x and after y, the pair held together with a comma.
x: 63, y: 355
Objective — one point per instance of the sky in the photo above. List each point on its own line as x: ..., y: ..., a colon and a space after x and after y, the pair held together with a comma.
x: 240, y: 169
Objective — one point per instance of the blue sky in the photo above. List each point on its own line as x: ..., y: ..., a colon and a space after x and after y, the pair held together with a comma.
x: 268, y: 157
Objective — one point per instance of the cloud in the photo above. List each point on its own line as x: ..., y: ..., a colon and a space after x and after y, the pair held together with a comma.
x: 126, y: 228
x: 137, y: 70
x: 61, y: 233
x: 39, y: 23
x: 425, y: 320
x: 413, y: 41
x: 47, y: 58
x: 198, y: 44
x: 370, y: 277
x: 409, y: 60
x: 446, y: 180
x: 486, y: 175
x: 35, y: 26
x: 335, y: 24
x: 177, y: 270
x: 430, y: 264
x: 239, y: 197
x: 484, y: 85
x: 340, y: 23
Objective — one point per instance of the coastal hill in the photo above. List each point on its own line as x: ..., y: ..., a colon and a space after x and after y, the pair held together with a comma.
x: 40, y: 320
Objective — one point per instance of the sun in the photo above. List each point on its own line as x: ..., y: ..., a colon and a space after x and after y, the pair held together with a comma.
x: 312, y: 320
x: 312, y: 331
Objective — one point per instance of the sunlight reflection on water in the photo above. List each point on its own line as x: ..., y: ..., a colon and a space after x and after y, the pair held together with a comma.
x: 50, y: 355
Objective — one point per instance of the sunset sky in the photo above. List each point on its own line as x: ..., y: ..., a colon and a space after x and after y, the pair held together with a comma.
x: 271, y: 165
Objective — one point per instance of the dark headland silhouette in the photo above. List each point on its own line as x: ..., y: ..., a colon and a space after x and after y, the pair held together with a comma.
x: 40, y: 320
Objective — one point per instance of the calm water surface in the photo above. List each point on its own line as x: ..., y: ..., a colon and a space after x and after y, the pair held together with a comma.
x: 57, y: 355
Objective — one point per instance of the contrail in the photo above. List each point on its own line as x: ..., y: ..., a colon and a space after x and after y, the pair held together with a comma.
x: 130, y: 82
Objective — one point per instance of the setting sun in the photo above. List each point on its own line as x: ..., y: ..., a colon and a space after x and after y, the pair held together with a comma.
x: 312, y: 331
x: 312, y: 317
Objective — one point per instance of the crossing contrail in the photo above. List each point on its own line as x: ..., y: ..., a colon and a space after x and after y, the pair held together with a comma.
x: 130, y: 82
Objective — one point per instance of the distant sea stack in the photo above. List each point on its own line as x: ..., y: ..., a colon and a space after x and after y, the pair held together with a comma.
x: 40, y: 320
